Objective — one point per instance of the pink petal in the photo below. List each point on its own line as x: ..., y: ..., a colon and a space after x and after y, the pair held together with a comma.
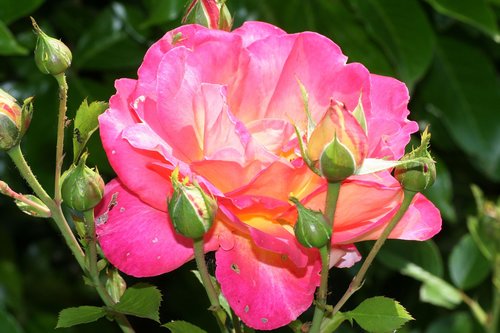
x: 265, y: 289
x: 138, y: 239
x: 251, y: 32
x: 389, y: 129
x: 128, y: 161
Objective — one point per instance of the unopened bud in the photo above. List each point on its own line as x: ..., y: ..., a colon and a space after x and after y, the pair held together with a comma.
x: 82, y: 187
x: 10, y: 121
x: 311, y: 228
x: 191, y: 210
x: 420, y: 173
x: 51, y: 55
x: 336, y: 162
x: 212, y: 14
x: 115, y: 284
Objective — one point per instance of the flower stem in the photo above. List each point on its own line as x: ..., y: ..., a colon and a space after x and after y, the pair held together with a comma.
x: 358, y: 279
x: 332, y: 195
x: 6, y: 190
x: 57, y: 215
x: 91, y: 254
x: 494, y: 321
x: 63, y: 95
x: 218, y: 312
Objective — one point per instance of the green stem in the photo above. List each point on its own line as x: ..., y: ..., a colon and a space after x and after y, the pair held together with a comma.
x: 236, y: 322
x: 358, y: 279
x: 121, y: 319
x: 57, y: 215
x: 493, y: 325
x: 63, y: 95
x: 6, y: 190
x: 476, y: 309
x: 332, y: 195
x: 217, y: 310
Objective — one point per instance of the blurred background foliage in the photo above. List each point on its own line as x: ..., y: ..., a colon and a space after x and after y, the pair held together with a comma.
x: 447, y: 52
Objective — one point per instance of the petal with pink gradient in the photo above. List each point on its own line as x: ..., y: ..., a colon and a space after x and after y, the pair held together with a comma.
x: 251, y: 32
x: 389, y: 129
x: 265, y: 289
x: 139, y: 239
x: 128, y: 161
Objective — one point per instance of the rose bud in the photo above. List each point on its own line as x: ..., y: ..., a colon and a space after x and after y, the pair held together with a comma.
x: 115, y: 284
x: 311, y: 228
x: 82, y: 187
x: 212, y: 14
x: 10, y: 121
x: 419, y: 174
x: 339, y: 143
x: 191, y: 210
x: 51, y: 55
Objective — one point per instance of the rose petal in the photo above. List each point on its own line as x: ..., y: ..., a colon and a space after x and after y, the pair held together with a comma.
x: 389, y: 129
x: 265, y: 289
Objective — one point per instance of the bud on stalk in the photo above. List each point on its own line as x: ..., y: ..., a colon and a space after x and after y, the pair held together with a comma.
x: 191, y: 210
x: 82, y: 187
x: 311, y: 228
x: 212, y: 14
x: 14, y: 120
x: 418, y: 175
x: 51, y: 55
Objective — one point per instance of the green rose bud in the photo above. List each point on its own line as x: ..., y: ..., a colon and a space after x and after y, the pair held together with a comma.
x: 419, y: 173
x: 336, y: 162
x: 115, y: 284
x: 82, y: 187
x: 311, y: 228
x: 51, y: 55
x: 191, y: 210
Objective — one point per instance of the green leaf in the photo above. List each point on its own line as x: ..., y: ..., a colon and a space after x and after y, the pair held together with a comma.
x: 435, y: 290
x: 140, y: 300
x: 79, y: 315
x: 161, y: 11
x: 8, y: 323
x: 338, y: 21
x: 468, y: 267
x: 8, y: 43
x: 180, y: 326
x: 14, y: 9
x: 453, y: 94
x: 86, y: 123
x: 380, y: 314
x: 477, y: 13
x: 459, y: 322
x: 421, y: 261
x: 109, y: 43
x: 482, y: 236
x: 10, y: 286
x: 401, y: 28
x: 396, y: 254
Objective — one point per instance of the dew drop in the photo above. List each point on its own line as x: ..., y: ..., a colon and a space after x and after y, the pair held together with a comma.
x: 113, y: 152
x: 122, y: 209
x: 247, y: 308
x: 155, y: 240
x: 264, y: 320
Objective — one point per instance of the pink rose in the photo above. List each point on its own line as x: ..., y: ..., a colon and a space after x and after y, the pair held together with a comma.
x: 220, y: 107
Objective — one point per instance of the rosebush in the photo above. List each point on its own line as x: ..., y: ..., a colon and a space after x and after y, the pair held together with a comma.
x: 221, y: 106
